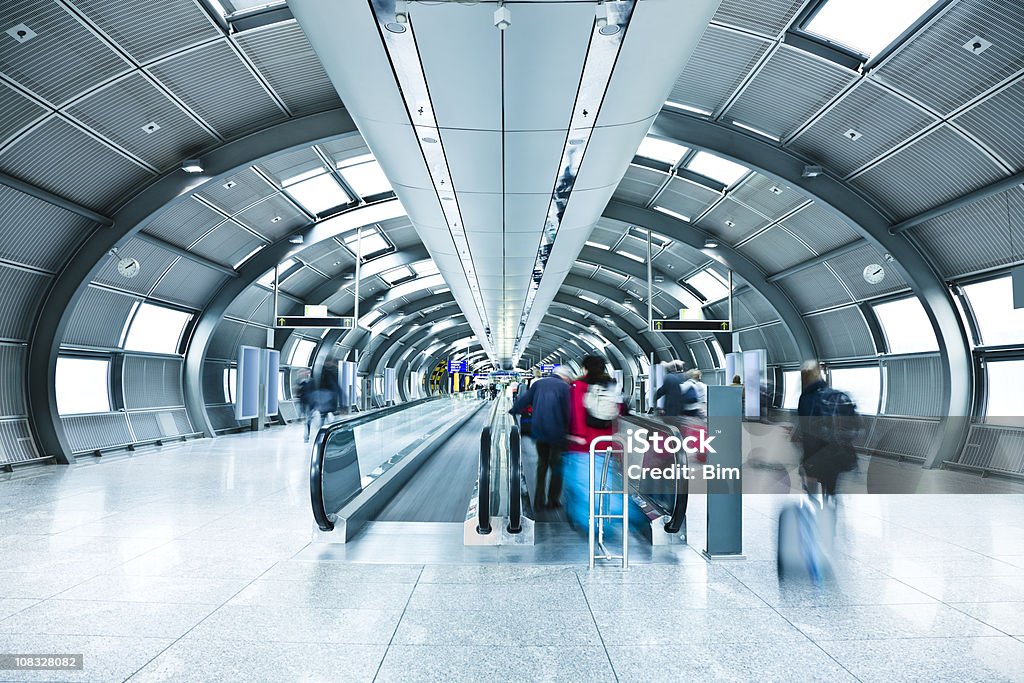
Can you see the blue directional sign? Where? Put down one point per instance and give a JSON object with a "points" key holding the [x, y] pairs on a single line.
{"points": [[549, 368], [457, 366]]}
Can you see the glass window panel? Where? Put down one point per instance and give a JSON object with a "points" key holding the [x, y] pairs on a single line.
{"points": [[366, 179], [82, 385], [319, 194], [992, 301], [230, 375], [792, 387], [709, 285], [1005, 398], [716, 168], [597, 245], [863, 385], [719, 355], [302, 351], [661, 150], [397, 275], [674, 214], [156, 329], [906, 326], [373, 242], [867, 26], [280, 386], [424, 268]]}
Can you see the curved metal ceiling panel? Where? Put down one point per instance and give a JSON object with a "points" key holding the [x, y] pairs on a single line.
{"points": [[996, 122], [147, 32], [841, 333], [768, 17], [16, 112], [722, 61], [36, 233]]}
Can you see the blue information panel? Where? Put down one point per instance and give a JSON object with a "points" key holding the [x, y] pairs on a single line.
{"points": [[457, 366], [549, 368]]}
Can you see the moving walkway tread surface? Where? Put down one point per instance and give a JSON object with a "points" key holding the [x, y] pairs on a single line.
{"points": [[440, 490]]}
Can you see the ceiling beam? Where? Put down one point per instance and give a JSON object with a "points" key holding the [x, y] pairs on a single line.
{"points": [[55, 200], [958, 203]]}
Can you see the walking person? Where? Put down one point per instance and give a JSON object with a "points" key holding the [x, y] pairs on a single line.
{"points": [[305, 394], [695, 395], [671, 389], [549, 399]]}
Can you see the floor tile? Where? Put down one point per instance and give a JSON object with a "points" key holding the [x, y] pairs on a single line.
{"points": [[882, 622], [527, 597], [796, 593], [9, 606], [429, 664], [105, 658], [156, 589], [936, 659], [489, 627], [1008, 617], [38, 584], [332, 594], [341, 572], [94, 618], [660, 626], [299, 625], [716, 594], [971, 589]]}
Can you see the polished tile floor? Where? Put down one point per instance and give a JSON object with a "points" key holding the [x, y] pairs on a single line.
{"points": [[195, 564]]}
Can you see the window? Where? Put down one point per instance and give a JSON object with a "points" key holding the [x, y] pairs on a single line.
{"points": [[597, 245], [318, 194], [230, 377], [864, 386], [865, 26], [999, 322], [661, 150], [710, 285], [302, 352], [366, 178], [688, 108], [716, 168], [792, 387], [674, 214], [396, 275], [268, 277], [756, 131], [155, 329], [82, 385], [371, 318], [632, 257], [281, 377], [373, 242], [719, 355], [229, 8], [1005, 399], [906, 326], [425, 268]]}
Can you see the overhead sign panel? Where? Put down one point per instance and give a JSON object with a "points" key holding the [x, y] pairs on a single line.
{"points": [[670, 325], [333, 321], [457, 366]]}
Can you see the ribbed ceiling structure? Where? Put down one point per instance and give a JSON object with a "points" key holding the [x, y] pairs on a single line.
{"points": [[100, 107]]}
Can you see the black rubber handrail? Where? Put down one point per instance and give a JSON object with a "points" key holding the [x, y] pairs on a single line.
{"points": [[677, 515], [483, 512], [319, 453], [515, 478]]}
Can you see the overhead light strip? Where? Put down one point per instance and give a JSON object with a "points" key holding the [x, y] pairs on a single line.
{"points": [[400, 44], [605, 43]]}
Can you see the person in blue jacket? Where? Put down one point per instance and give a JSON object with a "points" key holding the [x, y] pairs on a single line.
{"points": [[549, 398]]}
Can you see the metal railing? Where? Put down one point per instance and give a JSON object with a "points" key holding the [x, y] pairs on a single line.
{"points": [[515, 479], [676, 510], [334, 467]]}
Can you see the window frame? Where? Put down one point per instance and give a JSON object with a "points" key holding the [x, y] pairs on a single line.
{"points": [[189, 321], [109, 384]]}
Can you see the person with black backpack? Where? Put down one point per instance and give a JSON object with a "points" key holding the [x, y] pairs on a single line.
{"points": [[827, 428]]}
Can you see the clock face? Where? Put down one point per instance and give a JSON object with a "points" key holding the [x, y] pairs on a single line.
{"points": [[874, 274], [128, 267]]}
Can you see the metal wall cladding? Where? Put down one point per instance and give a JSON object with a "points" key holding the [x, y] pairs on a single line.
{"points": [[87, 433], [841, 333], [151, 382], [273, 218], [687, 198], [770, 197], [63, 60], [284, 57], [906, 438], [718, 66], [281, 167], [850, 268], [702, 354], [16, 444], [672, 259], [934, 69], [978, 236], [883, 118], [914, 386], [815, 288], [745, 222], [791, 88], [994, 448], [920, 176], [345, 147], [53, 156], [224, 343], [119, 111], [246, 302], [153, 263], [288, 411], [157, 425], [222, 418], [820, 229], [233, 194], [252, 335], [23, 292], [757, 307], [779, 344], [147, 32], [228, 244], [996, 122], [12, 389], [16, 112], [99, 318], [775, 250], [769, 18], [189, 283], [183, 222], [213, 382], [232, 103], [639, 185], [36, 233]]}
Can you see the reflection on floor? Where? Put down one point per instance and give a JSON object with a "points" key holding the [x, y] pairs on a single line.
{"points": [[193, 564]]}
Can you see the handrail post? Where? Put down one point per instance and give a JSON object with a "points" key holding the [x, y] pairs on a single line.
{"points": [[483, 525], [515, 498]]}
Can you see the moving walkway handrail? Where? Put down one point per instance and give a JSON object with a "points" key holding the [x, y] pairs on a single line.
{"points": [[515, 478], [484, 490], [677, 515], [319, 454]]}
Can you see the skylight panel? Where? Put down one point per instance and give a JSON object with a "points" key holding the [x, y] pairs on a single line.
{"points": [[268, 277], [661, 150], [367, 179], [674, 214], [632, 257], [371, 318], [373, 242], [318, 194], [597, 245], [425, 268], [589, 298], [716, 168], [866, 26], [397, 275], [688, 108], [709, 285]]}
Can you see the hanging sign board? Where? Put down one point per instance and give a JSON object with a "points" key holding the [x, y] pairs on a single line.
{"points": [[332, 321], [669, 325]]}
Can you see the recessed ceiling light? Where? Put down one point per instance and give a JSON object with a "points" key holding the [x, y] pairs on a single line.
{"points": [[710, 243], [429, 140], [977, 45], [609, 30], [191, 166], [395, 27], [812, 171], [275, 219], [150, 127], [775, 189], [852, 135], [730, 224], [229, 184], [577, 141], [21, 33]]}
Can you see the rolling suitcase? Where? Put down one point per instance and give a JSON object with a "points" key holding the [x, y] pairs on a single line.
{"points": [[805, 542]]}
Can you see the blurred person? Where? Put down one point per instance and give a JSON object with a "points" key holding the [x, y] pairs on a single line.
{"points": [[672, 389], [695, 395], [330, 389], [305, 394], [827, 427], [548, 398]]}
